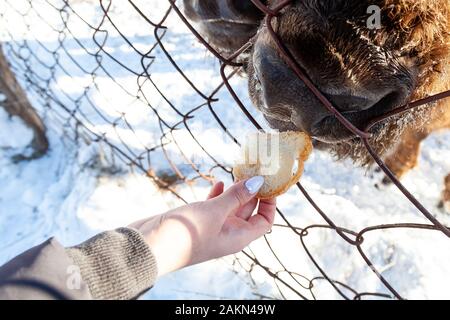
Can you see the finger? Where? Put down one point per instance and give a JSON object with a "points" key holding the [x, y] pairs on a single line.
{"points": [[263, 221], [267, 208], [247, 210], [240, 194], [216, 190]]}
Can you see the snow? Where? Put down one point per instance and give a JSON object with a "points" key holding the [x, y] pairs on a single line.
{"points": [[80, 188], [20, 136]]}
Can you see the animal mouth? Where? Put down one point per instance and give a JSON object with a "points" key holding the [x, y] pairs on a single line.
{"points": [[219, 29], [238, 27], [330, 130], [230, 22]]}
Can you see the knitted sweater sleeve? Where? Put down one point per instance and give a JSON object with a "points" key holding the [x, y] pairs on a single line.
{"points": [[115, 264]]}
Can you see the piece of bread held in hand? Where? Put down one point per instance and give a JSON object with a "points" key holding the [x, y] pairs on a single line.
{"points": [[278, 157]]}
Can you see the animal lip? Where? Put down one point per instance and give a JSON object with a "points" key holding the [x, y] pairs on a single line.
{"points": [[230, 22], [330, 130], [219, 29]]}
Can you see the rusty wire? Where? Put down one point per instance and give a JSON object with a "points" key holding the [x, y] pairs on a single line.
{"points": [[67, 110]]}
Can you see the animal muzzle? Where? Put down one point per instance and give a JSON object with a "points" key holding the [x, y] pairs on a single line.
{"points": [[288, 104]]}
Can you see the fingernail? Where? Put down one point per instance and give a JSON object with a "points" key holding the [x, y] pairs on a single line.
{"points": [[254, 184]]}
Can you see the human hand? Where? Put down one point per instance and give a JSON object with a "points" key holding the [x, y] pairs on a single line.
{"points": [[222, 225]]}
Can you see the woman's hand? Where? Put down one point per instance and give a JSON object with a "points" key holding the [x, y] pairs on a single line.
{"points": [[222, 225]]}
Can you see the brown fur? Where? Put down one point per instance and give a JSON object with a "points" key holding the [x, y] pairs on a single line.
{"points": [[446, 195], [423, 26], [427, 25], [415, 39]]}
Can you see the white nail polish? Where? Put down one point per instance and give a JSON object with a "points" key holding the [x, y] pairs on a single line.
{"points": [[254, 184]]}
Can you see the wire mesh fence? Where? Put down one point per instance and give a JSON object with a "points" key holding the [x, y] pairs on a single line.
{"points": [[68, 55]]}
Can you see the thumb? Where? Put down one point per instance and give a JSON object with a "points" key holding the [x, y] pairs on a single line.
{"points": [[240, 193]]}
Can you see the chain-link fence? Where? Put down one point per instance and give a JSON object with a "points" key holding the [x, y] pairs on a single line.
{"points": [[63, 53]]}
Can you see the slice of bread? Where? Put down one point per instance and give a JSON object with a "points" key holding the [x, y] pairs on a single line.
{"points": [[274, 156]]}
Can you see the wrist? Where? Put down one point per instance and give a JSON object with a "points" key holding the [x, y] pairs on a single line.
{"points": [[169, 239]]}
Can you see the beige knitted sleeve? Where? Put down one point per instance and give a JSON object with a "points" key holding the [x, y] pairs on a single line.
{"points": [[116, 264]]}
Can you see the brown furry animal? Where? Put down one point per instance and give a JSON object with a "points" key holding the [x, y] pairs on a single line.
{"points": [[17, 104], [365, 72], [446, 195]]}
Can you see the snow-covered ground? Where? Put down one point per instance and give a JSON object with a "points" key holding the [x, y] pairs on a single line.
{"points": [[80, 188]]}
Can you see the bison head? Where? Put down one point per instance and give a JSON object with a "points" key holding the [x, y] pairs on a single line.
{"points": [[364, 71]]}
